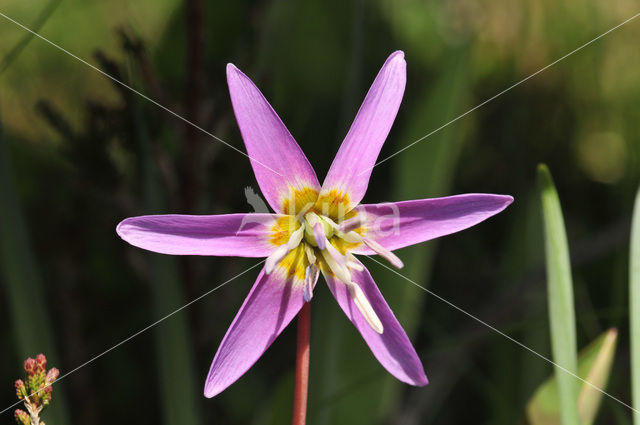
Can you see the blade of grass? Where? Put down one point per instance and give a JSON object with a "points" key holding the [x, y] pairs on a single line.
{"points": [[634, 306], [560, 298], [28, 36], [594, 365], [23, 286]]}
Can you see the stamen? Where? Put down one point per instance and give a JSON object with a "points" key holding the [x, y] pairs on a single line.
{"points": [[361, 301], [295, 238], [340, 270], [351, 224], [384, 253], [275, 257], [351, 237], [310, 255], [310, 278], [318, 234]]}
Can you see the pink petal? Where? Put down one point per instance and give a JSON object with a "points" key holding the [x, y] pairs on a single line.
{"points": [[392, 348], [278, 162], [267, 310], [351, 168], [240, 235], [398, 224]]}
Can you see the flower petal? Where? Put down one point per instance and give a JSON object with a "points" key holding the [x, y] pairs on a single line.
{"points": [[272, 303], [240, 235], [392, 347], [398, 224], [350, 171], [278, 162]]}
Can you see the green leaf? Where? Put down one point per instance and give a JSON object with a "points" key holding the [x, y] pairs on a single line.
{"points": [[23, 285], [560, 299], [634, 306], [594, 366]]}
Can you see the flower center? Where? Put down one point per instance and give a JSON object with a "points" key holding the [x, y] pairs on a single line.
{"points": [[317, 243], [309, 240]]}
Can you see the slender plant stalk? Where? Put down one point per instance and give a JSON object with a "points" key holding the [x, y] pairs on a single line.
{"points": [[560, 299], [302, 367], [634, 308]]}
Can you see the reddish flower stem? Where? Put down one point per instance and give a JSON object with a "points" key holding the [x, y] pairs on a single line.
{"points": [[302, 366]]}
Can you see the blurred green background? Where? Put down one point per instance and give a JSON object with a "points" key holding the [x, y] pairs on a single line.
{"points": [[78, 153]]}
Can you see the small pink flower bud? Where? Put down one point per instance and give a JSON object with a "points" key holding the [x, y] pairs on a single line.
{"points": [[22, 417], [30, 366], [21, 390], [41, 363], [52, 375]]}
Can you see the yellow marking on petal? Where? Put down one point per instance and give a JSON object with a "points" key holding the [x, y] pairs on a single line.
{"points": [[302, 198], [295, 263], [282, 230], [334, 204], [343, 246]]}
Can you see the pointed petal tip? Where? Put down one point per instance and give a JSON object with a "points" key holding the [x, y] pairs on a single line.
{"points": [[424, 381], [122, 227], [233, 72], [211, 390], [231, 67], [506, 200], [397, 54], [417, 379]]}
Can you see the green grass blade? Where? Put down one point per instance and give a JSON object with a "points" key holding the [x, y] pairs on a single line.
{"points": [[23, 286], [560, 299], [634, 307], [594, 365], [14, 53]]}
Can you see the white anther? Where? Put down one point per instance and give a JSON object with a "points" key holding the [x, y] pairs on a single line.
{"points": [[310, 278], [384, 253], [275, 257], [337, 266], [310, 255], [296, 238], [351, 224], [361, 301]]}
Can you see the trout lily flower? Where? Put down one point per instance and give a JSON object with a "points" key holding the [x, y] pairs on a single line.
{"points": [[316, 229]]}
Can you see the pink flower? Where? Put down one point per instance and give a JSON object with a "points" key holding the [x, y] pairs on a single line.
{"points": [[315, 229]]}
